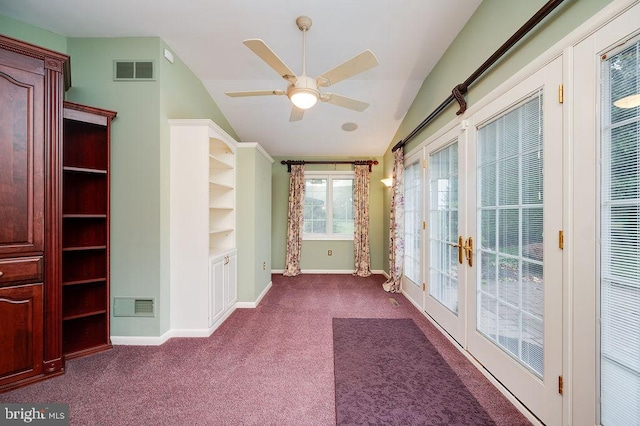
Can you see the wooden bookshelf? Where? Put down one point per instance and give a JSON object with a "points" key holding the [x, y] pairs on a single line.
{"points": [[85, 230]]}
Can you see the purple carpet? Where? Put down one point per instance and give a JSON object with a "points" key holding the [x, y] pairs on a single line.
{"points": [[272, 365], [387, 372]]}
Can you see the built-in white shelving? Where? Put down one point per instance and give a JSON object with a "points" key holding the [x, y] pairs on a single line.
{"points": [[203, 226]]}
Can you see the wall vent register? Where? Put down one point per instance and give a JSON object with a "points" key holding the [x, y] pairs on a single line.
{"points": [[133, 70]]}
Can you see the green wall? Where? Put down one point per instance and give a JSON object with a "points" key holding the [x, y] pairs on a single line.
{"points": [[34, 35], [490, 26], [253, 201], [314, 253], [139, 162], [135, 168]]}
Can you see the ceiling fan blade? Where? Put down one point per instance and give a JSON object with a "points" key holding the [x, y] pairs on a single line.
{"points": [[344, 102], [255, 93], [356, 65], [261, 49], [296, 114]]}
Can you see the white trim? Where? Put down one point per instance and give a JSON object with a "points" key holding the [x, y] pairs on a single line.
{"points": [[142, 340], [244, 305], [214, 130], [159, 340], [332, 271], [258, 147], [513, 400]]}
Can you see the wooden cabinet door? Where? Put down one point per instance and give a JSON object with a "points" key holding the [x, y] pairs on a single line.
{"points": [[21, 155], [21, 332]]}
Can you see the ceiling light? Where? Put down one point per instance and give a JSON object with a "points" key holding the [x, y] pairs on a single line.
{"points": [[303, 98], [628, 101]]}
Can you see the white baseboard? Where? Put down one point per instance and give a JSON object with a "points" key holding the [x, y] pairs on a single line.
{"points": [[533, 419], [243, 305], [330, 271], [142, 340], [174, 332]]}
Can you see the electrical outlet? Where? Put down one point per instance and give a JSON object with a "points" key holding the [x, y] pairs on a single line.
{"points": [[264, 266], [330, 253]]}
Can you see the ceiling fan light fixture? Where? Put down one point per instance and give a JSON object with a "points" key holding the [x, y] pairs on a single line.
{"points": [[628, 101], [303, 98]]}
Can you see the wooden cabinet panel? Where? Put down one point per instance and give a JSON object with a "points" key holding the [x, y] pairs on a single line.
{"points": [[21, 319], [32, 82], [21, 160], [21, 270]]}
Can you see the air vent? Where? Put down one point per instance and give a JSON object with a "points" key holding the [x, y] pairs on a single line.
{"points": [[130, 307], [133, 70]]}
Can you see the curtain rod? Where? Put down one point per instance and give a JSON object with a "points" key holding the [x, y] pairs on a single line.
{"points": [[458, 92], [289, 163]]}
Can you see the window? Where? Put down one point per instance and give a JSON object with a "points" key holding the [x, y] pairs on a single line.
{"points": [[328, 206], [413, 221]]}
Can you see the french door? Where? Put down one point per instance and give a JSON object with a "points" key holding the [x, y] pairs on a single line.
{"points": [[445, 297], [413, 225], [515, 299], [493, 261]]}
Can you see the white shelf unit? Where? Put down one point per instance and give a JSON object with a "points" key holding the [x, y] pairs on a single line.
{"points": [[202, 237]]}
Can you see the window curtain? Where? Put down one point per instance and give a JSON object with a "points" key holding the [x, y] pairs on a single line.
{"points": [[361, 221], [396, 226], [295, 221]]}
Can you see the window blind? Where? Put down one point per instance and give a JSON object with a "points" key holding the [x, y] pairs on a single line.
{"points": [[412, 221], [620, 242], [510, 202]]}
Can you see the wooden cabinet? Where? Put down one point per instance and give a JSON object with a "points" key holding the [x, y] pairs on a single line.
{"points": [[202, 222], [32, 81], [85, 230], [21, 332]]}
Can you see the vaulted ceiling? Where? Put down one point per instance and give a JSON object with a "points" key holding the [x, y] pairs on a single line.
{"points": [[408, 37]]}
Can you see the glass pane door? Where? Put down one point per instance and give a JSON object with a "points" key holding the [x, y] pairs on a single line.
{"points": [[620, 247], [515, 299], [443, 223], [447, 273]]}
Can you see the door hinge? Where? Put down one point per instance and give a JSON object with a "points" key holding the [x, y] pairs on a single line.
{"points": [[424, 224], [560, 385], [424, 164], [561, 94], [424, 287], [561, 239]]}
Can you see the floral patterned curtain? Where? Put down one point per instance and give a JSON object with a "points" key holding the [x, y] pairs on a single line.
{"points": [[396, 228], [361, 221], [295, 221]]}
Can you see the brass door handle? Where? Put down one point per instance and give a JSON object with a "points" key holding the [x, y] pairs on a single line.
{"points": [[1, 273], [468, 250], [461, 247]]}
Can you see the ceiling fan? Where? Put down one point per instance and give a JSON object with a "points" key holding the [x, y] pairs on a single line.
{"points": [[303, 91]]}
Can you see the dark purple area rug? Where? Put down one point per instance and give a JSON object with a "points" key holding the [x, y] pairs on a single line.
{"points": [[388, 373]]}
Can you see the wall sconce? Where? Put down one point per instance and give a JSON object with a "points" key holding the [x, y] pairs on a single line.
{"points": [[387, 182]]}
